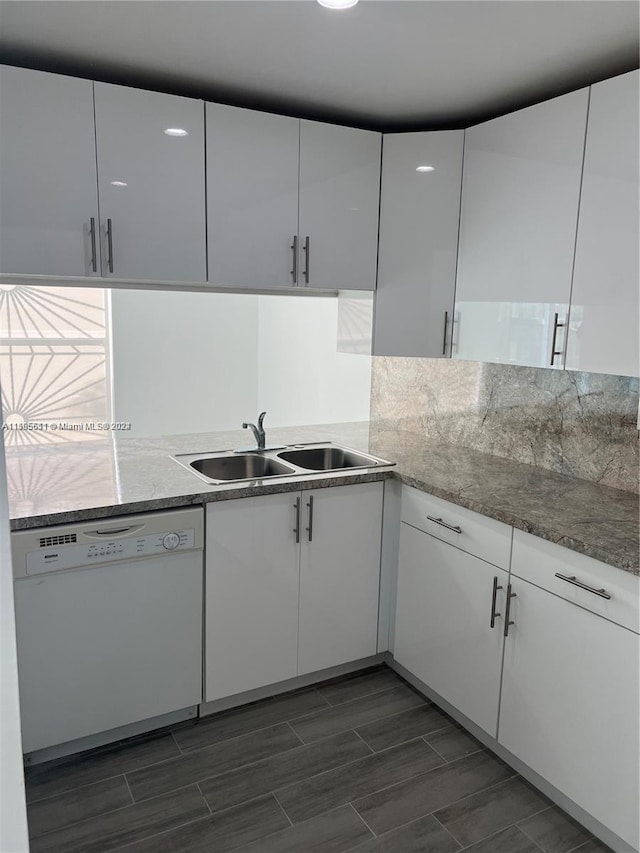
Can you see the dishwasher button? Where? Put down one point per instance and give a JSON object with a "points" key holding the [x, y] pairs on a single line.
{"points": [[171, 541]]}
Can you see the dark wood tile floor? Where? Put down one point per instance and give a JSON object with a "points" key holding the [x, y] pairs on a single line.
{"points": [[361, 763]]}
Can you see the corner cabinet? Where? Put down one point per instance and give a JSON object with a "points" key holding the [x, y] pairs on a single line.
{"points": [[520, 195], [291, 585], [48, 183], [419, 214], [603, 324], [570, 693], [451, 604], [290, 203]]}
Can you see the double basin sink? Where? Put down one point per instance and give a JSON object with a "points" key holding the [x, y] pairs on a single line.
{"points": [[231, 466]]}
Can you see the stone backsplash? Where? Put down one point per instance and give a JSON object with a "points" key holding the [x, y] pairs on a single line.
{"points": [[581, 424]]}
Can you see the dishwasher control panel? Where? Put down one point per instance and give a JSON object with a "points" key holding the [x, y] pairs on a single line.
{"points": [[74, 556], [93, 544]]}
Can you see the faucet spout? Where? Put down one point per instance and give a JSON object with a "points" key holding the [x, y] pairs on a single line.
{"points": [[258, 431]]}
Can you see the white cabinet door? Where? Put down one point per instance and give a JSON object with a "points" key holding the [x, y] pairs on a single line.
{"points": [[570, 704], [48, 189], [152, 185], [443, 624], [251, 594], [419, 213], [519, 213], [339, 575], [603, 326], [252, 197], [338, 213]]}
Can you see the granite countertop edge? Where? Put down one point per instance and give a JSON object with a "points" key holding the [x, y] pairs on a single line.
{"points": [[597, 521]]}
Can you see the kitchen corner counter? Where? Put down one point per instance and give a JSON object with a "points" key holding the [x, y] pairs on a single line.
{"points": [[73, 481], [595, 520]]}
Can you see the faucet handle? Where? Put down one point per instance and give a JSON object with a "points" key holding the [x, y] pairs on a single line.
{"points": [[261, 417]]}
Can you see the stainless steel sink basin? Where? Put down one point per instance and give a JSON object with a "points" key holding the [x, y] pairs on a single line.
{"points": [[240, 466], [327, 458], [298, 460]]}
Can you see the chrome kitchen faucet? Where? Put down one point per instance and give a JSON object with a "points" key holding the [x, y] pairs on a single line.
{"points": [[258, 431]]}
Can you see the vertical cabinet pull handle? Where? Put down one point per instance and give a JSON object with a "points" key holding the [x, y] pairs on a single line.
{"points": [[294, 252], [92, 235], [508, 622], [444, 337], [109, 246], [496, 587], [296, 529], [306, 259], [556, 326], [309, 529]]}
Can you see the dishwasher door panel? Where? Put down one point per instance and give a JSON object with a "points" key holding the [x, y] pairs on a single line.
{"points": [[104, 647]]}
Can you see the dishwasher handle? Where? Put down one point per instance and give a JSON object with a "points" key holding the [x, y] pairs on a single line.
{"points": [[113, 532]]}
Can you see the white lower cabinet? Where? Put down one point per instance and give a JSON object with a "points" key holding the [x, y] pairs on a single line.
{"points": [[291, 585], [569, 706], [444, 630]]}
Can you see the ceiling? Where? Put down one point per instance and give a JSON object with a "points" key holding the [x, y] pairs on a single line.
{"points": [[384, 64]]}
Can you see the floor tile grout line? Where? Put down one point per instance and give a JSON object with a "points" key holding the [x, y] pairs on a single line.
{"points": [[364, 695], [282, 808], [444, 806], [113, 811], [327, 703], [423, 738], [362, 819], [493, 835], [101, 779], [450, 834], [282, 722], [350, 702], [206, 802], [369, 747], [302, 743], [526, 834], [126, 782], [130, 844], [180, 750]]}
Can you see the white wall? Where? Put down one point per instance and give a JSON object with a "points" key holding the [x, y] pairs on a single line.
{"points": [[13, 816], [303, 379], [200, 362], [184, 362]]}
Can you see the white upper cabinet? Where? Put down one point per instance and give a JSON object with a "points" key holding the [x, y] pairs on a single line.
{"points": [[151, 184], [603, 325], [520, 196], [419, 214], [48, 190], [252, 197], [338, 212]]}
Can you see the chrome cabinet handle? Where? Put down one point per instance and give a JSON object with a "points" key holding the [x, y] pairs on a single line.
{"points": [[556, 326], [306, 259], [444, 337], [296, 529], [496, 587], [439, 521], [109, 246], [573, 580], [507, 621], [92, 234], [294, 252], [309, 529]]}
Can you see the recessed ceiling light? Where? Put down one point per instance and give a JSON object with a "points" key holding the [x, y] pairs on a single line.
{"points": [[338, 4], [119, 183], [176, 131], [425, 168]]}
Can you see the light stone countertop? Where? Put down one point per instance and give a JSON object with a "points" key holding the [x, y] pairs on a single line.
{"points": [[73, 481]]}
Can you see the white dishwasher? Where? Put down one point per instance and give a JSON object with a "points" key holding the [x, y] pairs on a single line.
{"points": [[108, 623]]}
